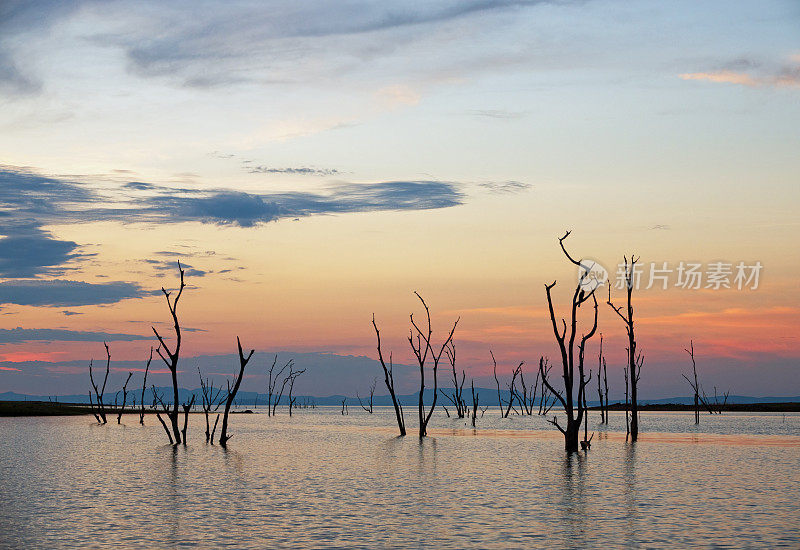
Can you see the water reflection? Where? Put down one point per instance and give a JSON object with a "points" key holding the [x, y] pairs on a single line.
{"points": [[323, 480]]}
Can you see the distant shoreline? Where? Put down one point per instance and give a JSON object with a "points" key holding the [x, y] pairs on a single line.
{"points": [[51, 408]]}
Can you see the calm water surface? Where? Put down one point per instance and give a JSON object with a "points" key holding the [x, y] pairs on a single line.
{"points": [[320, 479]]}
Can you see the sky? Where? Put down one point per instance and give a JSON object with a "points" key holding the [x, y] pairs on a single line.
{"points": [[310, 164]]}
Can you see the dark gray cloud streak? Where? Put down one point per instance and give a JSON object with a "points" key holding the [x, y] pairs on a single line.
{"points": [[20, 335], [64, 293], [29, 202]]}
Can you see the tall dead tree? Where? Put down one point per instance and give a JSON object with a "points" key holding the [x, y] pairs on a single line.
{"points": [[571, 357], [371, 396], [124, 398], [144, 385], [421, 346], [388, 378], [99, 410], [695, 386], [172, 356], [211, 402], [232, 389], [635, 359]]}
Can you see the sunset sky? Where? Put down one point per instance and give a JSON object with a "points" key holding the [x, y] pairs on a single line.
{"points": [[311, 163]]}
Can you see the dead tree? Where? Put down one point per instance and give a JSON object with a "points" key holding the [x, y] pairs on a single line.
{"points": [[422, 347], [272, 382], [158, 400], [565, 337], [344, 407], [497, 382], [388, 378], [605, 390], [124, 398], [601, 364], [289, 378], [371, 396], [223, 434], [587, 441], [695, 386], [635, 359], [211, 403], [457, 399], [100, 408], [171, 357], [144, 385], [292, 377], [627, 406], [474, 402], [527, 399], [186, 408], [512, 393]]}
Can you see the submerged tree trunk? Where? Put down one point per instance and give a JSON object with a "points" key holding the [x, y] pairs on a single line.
{"points": [[223, 434], [388, 377], [144, 385]]}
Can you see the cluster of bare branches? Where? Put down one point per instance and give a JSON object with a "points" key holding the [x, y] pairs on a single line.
{"points": [[274, 392], [457, 397], [713, 407], [425, 353], [212, 400]]}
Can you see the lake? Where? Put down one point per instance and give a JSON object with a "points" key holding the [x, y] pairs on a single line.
{"points": [[320, 479]]}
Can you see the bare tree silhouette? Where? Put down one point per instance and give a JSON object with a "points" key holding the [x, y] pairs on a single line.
{"points": [[371, 396], [144, 385], [497, 382], [565, 337], [171, 358], [635, 359], [272, 383], [474, 402], [457, 399], [695, 386], [423, 349], [124, 398], [99, 411], [211, 403], [158, 400], [223, 434], [292, 378], [388, 377], [601, 367]]}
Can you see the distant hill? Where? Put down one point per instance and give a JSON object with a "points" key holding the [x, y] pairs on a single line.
{"points": [[487, 396]]}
